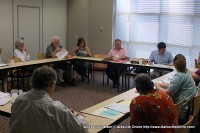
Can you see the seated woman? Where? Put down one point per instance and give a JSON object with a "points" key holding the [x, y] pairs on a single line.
{"points": [[81, 67], [151, 108], [182, 85], [21, 51], [4, 78]]}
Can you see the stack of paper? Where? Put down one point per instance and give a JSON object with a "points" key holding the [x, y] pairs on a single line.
{"points": [[121, 106], [2, 64], [4, 98], [107, 113], [114, 110], [3, 95], [62, 53]]}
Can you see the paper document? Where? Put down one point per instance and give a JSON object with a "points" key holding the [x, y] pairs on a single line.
{"points": [[2, 64], [3, 95], [62, 53], [119, 61], [3, 101], [108, 113], [168, 78], [125, 102], [123, 108]]}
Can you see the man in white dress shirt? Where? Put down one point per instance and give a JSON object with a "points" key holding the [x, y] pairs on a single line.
{"points": [[36, 112]]}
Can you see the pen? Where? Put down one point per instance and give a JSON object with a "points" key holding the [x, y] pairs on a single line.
{"points": [[120, 101]]}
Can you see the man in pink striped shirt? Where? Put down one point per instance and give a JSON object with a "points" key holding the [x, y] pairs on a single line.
{"points": [[118, 53]]}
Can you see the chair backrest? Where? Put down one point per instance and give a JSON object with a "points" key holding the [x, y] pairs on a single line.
{"points": [[41, 55], [185, 130], [14, 58], [195, 106], [100, 56], [100, 65], [179, 106]]}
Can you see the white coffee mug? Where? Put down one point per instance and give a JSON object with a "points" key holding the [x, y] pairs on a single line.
{"points": [[27, 58], [140, 62]]}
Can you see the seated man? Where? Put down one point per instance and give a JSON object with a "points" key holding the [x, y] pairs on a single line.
{"points": [[151, 108], [118, 53], [160, 56], [51, 51], [36, 112]]}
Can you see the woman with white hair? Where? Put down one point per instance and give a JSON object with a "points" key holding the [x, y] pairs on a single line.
{"points": [[21, 51]]}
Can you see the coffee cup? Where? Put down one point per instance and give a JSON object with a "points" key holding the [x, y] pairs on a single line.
{"points": [[27, 58], [140, 62], [145, 62], [12, 62]]}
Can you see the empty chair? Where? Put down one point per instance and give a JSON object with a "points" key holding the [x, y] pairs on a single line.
{"points": [[41, 55], [179, 106], [100, 67], [194, 107], [18, 73], [185, 130]]}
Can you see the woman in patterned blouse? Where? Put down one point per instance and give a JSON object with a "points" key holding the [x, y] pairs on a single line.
{"points": [[81, 67], [153, 108]]}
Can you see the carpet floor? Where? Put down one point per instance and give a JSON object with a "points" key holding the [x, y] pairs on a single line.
{"points": [[80, 97]]}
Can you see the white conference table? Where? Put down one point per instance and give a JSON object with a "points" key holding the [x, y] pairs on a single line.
{"points": [[22, 65], [93, 120], [102, 124], [101, 121], [31, 63], [92, 59]]}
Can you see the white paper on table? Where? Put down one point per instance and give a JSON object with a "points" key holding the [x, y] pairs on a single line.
{"points": [[168, 78], [119, 107], [5, 100], [62, 53], [108, 113], [3, 95], [3, 64], [165, 81]]}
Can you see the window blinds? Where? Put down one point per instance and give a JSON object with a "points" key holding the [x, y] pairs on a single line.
{"points": [[142, 24]]}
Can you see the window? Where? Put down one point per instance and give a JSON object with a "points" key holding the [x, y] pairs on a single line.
{"points": [[142, 24]]}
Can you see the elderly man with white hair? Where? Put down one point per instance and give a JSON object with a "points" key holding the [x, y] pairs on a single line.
{"points": [[51, 51]]}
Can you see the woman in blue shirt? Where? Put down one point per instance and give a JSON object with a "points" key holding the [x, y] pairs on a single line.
{"points": [[182, 85]]}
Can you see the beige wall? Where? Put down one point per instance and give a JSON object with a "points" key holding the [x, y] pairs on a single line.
{"points": [[54, 21], [101, 16], [6, 38], [68, 19], [77, 22], [54, 13], [85, 18]]}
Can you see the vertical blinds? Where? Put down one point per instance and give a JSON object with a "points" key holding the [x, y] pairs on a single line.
{"points": [[141, 24]]}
